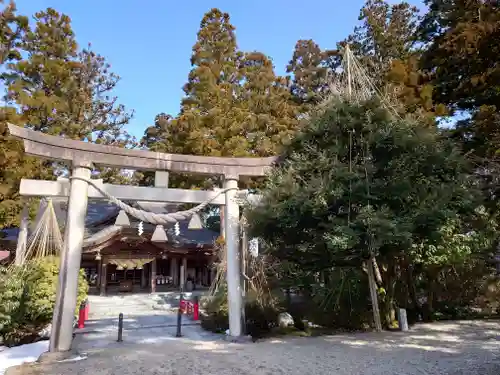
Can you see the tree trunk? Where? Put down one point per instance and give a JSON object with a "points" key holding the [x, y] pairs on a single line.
{"points": [[431, 287], [412, 290], [388, 305], [374, 296]]}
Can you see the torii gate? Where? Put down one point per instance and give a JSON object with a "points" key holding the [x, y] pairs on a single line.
{"points": [[82, 156]]}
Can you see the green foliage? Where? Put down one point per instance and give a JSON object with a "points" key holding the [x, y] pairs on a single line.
{"points": [[27, 305], [234, 104], [462, 51], [355, 181], [54, 87], [462, 48], [386, 45], [62, 90], [471, 284], [309, 66], [386, 34], [338, 299], [12, 299], [216, 311], [14, 165], [260, 320], [12, 28], [41, 281]]}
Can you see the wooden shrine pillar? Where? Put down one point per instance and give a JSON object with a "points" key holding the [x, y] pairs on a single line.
{"points": [[184, 276], [152, 275], [174, 270], [99, 271], [144, 282], [103, 275]]}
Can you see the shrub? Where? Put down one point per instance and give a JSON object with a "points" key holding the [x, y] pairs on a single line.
{"points": [[28, 297], [12, 300], [260, 320], [216, 316], [41, 284]]}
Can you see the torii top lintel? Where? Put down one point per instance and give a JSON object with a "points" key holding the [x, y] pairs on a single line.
{"points": [[78, 152]]}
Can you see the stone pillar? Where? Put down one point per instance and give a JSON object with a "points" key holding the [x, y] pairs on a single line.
{"points": [[232, 232], [174, 269], [161, 179], [222, 209], [22, 237], [184, 276], [71, 256], [104, 278], [152, 275]]}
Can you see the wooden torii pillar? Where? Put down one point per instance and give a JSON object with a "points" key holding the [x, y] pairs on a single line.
{"points": [[82, 157]]}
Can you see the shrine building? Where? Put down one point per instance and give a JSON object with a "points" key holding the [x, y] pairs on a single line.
{"points": [[123, 258]]}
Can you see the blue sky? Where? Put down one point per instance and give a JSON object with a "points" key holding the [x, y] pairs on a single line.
{"points": [[148, 43]]}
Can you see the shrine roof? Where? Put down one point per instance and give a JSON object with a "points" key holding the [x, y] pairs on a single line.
{"points": [[100, 219]]}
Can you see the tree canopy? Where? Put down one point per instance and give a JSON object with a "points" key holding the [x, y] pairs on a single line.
{"points": [[355, 181], [55, 87]]}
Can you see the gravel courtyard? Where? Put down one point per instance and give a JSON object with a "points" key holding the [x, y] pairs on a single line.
{"points": [[453, 348]]}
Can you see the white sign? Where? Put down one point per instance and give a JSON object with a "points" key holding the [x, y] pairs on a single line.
{"points": [[253, 247]]}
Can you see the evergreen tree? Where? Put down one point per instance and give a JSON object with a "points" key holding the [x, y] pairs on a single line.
{"points": [[355, 182], [12, 28], [271, 118], [387, 33], [462, 40], [63, 91], [234, 104], [208, 116], [13, 163], [385, 44], [309, 66], [59, 90], [462, 50]]}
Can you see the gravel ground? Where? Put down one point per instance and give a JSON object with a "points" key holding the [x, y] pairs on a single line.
{"points": [[455, 348]]}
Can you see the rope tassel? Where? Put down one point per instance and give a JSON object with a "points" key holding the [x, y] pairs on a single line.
{"points": [[122, 219], [195, 222], [159, 235]]}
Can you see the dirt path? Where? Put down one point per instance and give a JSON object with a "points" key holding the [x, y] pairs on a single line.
{"points": [[468, 348]]}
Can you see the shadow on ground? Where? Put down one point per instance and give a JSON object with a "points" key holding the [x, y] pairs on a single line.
{"points": [[457, 348]]}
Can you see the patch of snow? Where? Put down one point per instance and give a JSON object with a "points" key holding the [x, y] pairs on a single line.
{"points": [[75, 359], [21, 354], [155, 340]]}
